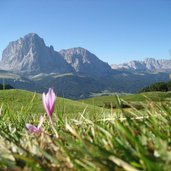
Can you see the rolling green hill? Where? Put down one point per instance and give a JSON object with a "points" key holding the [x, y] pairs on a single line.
{"points": [[25, 101], [133, 99]]}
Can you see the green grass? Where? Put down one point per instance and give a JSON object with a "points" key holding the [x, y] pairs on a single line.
{"points": [[133, 99], [21, 100], [109, 140]]}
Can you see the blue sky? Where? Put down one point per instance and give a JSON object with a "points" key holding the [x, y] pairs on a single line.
{"points": [[115, 30]]}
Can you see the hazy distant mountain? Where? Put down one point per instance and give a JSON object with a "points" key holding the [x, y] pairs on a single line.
{"points": [[149, 64], [30, 55], [85, 62]]}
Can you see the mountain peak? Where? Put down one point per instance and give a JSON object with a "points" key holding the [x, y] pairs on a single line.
{"points": [[30, 55], [149, 59], [75, 50], [33, 38], [84, 61], [32, 35]]}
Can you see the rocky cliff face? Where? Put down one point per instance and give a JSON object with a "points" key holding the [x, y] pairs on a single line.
{"points": [[149, 64], [30, 55], [85, 62]]}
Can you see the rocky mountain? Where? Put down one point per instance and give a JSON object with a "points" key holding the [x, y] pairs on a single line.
{"points": [[30, 55], [149, 64], [85, 62]]}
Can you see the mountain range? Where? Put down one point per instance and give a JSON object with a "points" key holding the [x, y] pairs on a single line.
{"points": [[30, 56], [28, 63], [149, 64]]}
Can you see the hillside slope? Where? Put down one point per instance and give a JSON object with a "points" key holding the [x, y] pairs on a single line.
{"points": [[132, 99], [25, 101]]}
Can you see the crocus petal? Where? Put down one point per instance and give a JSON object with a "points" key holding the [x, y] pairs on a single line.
{"points": [[52, 97], [45, 103], [32, 128], [41, 122], [49, 102]]}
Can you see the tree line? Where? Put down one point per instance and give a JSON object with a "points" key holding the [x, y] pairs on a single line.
{"points": [[159, 86]]}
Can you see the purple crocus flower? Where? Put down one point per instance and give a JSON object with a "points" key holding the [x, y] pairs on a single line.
{"points": [[34, 129], [49, 103]]}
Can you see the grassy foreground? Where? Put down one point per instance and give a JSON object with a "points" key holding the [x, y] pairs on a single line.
{"points": [[111, 140]]}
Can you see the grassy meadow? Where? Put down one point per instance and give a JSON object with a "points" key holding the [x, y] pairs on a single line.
{"points": [[138, 101], [28, 102], [90, 137]]}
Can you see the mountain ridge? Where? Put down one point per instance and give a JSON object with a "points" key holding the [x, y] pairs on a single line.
{"points": [[148, 64], [30, 55], [84, 61]]}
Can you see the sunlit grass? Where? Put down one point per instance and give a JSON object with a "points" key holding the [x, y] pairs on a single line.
{"points": [[111, 140]]}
